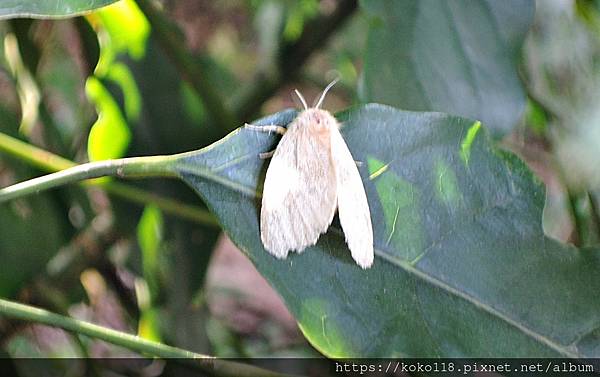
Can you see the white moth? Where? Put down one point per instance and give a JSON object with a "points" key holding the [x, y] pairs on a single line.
{"points": [[311, 174]]}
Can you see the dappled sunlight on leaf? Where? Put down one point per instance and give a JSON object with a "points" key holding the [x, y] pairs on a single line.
{"points": [[400, 202]]}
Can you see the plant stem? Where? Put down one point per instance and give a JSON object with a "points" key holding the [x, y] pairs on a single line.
{"points": [[151, 166], [132, 342], [171, 206], [192, 72], [50, 162], [33, 155]]}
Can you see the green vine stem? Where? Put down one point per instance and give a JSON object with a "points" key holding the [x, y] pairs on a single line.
{"points": [[146, 347], [51, 162], [152, 166]]}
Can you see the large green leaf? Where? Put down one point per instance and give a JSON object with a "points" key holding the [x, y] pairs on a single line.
{"points": [[455, 56], [47, 8], [462, 268]]}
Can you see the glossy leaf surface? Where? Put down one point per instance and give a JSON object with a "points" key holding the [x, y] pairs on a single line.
{"points": [[462, 266]]}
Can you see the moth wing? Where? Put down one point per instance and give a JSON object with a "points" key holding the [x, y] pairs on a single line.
{"points": [[353, 207], [299, 195]]}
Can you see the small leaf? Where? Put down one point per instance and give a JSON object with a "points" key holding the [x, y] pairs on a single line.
{"points": [[462, 265], [110, 135], [123, 28], [150, 236], [149, 325]]}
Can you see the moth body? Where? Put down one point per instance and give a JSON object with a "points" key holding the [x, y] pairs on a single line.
{"points": [[311, 174]]}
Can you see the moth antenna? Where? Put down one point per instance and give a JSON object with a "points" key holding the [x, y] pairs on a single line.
{"points": [[325, 92], [301, 99]]}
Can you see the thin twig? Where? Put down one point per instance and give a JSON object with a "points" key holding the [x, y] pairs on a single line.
{"points": [[132, 342], [151, 166]]}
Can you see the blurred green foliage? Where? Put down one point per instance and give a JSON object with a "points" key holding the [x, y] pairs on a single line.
{"points": [[111, 83], [101, 86]]}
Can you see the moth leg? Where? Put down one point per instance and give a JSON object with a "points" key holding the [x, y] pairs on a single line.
{"points": [[269, 128], [266, 155]]}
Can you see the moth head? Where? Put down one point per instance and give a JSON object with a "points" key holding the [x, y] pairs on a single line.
{"points": [[318, 121]]}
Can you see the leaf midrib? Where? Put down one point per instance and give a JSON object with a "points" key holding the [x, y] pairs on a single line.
{"points": [[479, 304]]}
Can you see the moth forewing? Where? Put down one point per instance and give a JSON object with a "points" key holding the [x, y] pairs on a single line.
{"points": [[299, 195], [353, 207]]}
